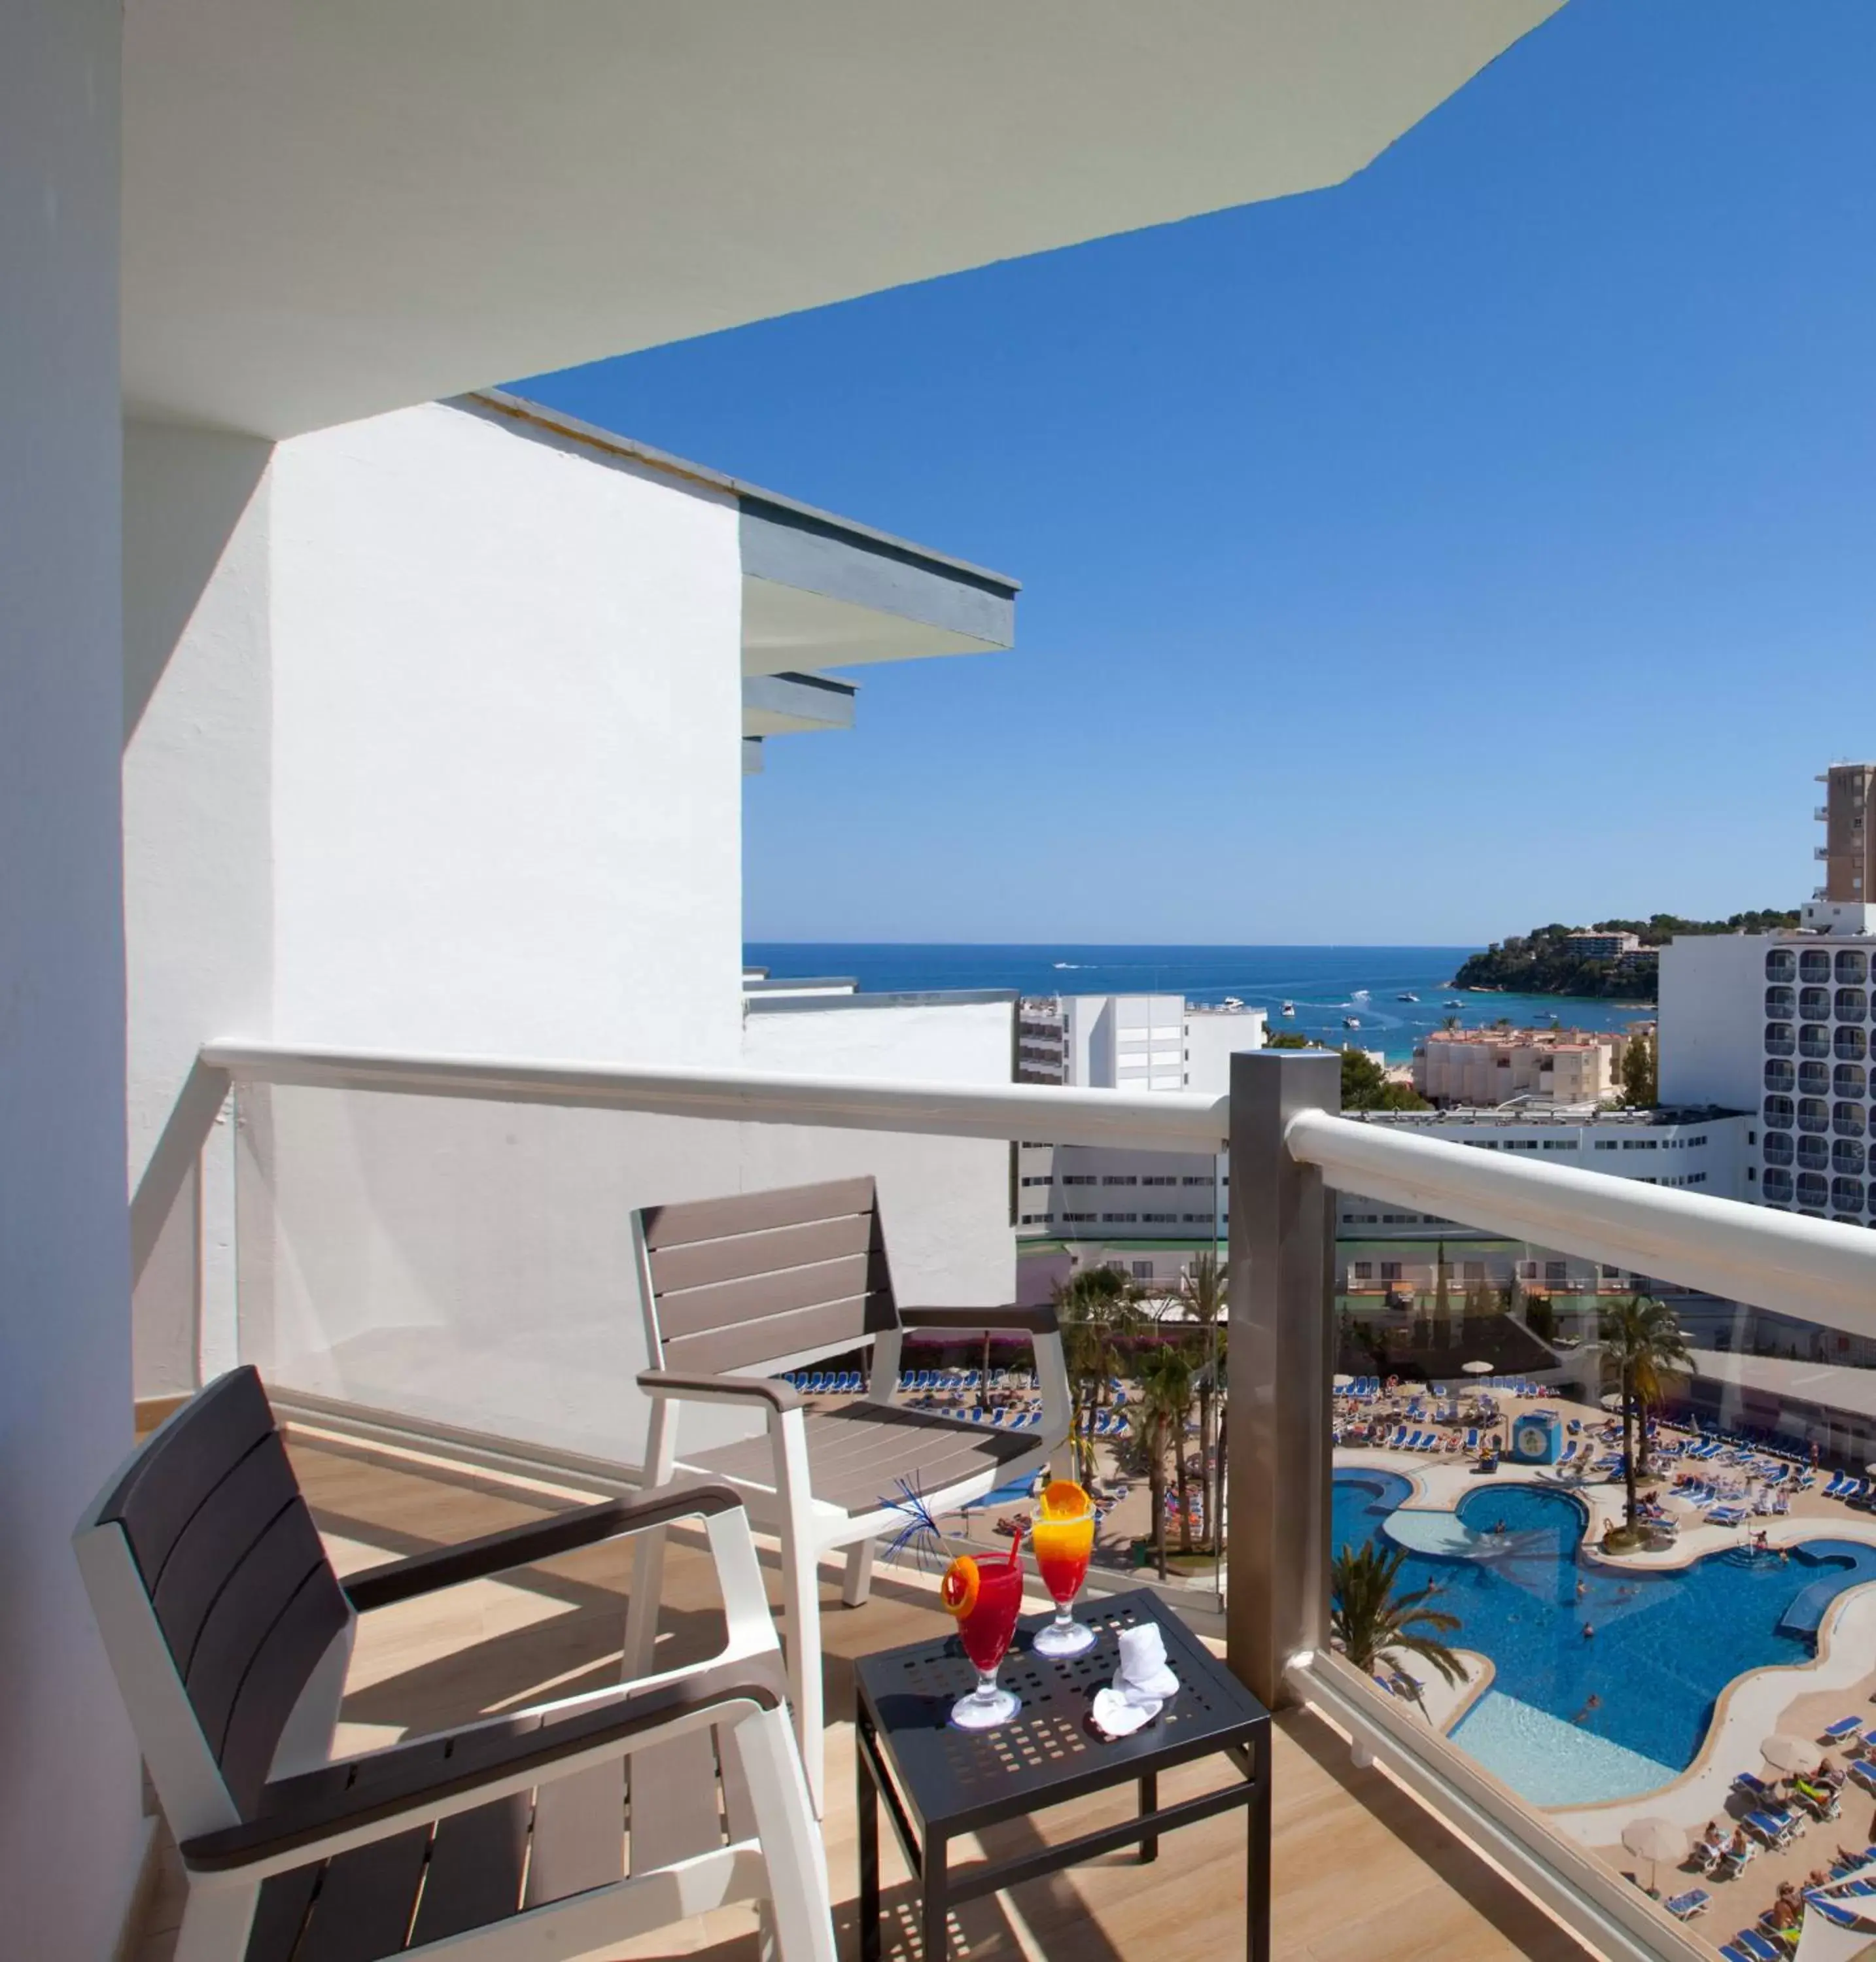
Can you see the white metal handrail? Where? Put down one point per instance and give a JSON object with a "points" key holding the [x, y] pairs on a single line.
{"points": [[1157, 1120], [1816, 1268]]}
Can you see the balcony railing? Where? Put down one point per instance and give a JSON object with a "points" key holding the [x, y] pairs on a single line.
{"points": [[1289, 1149]]}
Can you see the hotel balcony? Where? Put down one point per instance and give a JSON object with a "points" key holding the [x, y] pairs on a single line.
{"points": [[415, 1270]]}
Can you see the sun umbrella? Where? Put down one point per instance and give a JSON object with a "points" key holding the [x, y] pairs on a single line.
{"points": [[1655, 1840], [1341, 1381], [1785, 1753], [1477, 1368], [1613, 1400]]}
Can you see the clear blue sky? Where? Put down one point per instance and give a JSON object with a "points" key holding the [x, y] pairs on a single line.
{"points": [[1486, 541]]}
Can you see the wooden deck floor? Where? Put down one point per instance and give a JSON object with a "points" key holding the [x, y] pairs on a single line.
{"points": [[1361, 1871]]}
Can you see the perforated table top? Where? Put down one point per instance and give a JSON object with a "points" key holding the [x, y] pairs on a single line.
{"points": [[956, 1780]]}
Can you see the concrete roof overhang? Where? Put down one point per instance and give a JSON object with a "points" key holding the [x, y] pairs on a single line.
{"points": [[333, 210]]}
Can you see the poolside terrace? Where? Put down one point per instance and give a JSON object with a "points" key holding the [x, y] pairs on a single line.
{"points": [[1716, 1497], [1361, 1869]]}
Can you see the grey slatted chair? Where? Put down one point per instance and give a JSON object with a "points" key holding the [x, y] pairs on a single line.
{"points": [[230, 1634], [735, 1290]]}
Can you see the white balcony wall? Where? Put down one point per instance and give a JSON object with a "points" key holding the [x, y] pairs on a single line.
{"points": [[469, 1264], [432, 742], [71, 1835]]}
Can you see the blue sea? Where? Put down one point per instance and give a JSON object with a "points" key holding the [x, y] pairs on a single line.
{"points": [[1326, 983]]}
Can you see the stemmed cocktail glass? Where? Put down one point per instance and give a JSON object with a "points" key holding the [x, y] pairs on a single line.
{"points": [[985, 1598], [1063, 1538]]}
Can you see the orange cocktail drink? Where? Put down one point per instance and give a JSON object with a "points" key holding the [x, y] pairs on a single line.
{"points": [[1063, 1540]]}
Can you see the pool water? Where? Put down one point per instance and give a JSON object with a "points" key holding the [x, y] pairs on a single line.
{"points": [[1663, 1646]]}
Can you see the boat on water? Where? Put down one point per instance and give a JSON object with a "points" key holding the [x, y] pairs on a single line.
{"points": [[1288, 1009], [1351, 1021], [1406, 998], [1455, 1003], [1233, 1001], [1359, 994]]}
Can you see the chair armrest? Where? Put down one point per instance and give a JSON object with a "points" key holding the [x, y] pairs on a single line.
{"points": [[1041, 1320], [700, 1389], [539, 1539], [298, 1814]]}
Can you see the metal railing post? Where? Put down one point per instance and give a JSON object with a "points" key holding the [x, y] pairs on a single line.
{"points": [[1283, 1356]]}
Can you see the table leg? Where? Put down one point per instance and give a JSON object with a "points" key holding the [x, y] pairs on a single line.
{"points": [[1257, 1861], [868, 1813], [934, 1936], [1149, 1803]]}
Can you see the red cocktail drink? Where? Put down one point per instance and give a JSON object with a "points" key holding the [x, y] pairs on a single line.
{"points": [[987, 1598]]}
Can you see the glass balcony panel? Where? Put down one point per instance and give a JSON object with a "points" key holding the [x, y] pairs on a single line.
{"points": [[1813, 1114], [1779, 1040], [1851, 1044], [1813, 1039], [1813, 964], [1848, 1119], [1850, 1079], [1776, 1147], [1852, 1004], [1813, 1077], [1813, 1004], [1777, 1112], [1778, 1182], [1852, 965], [1779, 1075], [1847, 1156], [1813, 1189], [1780, 1001], [1813, 1154], [1846, 1194], [1781, 964]]}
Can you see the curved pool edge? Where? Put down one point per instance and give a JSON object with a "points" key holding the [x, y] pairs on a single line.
{"points": [[1699, 1792]]}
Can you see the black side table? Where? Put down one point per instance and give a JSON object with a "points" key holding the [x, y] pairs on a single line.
{"points": [[937, 1782]]}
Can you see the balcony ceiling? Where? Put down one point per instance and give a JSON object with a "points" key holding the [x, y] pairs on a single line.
{"points": [[335, 209]]}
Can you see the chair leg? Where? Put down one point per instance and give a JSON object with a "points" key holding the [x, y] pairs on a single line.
{"points": [[801, 1602], [858, 1583], [216, 1923], [792, 1851], [641, 1610]]}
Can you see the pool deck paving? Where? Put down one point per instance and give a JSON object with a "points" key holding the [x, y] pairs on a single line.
{"points": [[1800, 1701]]}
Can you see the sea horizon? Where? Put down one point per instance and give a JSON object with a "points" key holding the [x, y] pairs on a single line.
{"points": [[1330, 985]]}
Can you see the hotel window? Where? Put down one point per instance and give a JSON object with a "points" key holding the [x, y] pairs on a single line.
{"points": [[1078, 1218], [1813, 1039], [1142, 1270], [1555, 1270], [1527, 1270], [1848, 1120], [1814, 1005], [1852, 966], [1156, 1178], [1847, 1156], [1813, 1114], [1852, 1045], [1846, 1194], [1778, 1112], [1778, 1039], [1390, 1270], [1848, 1079], [1813, 1077], [1813, 964], [1119, 1178], [1779, 1149], [1120, 1220], [1197, 1178], [1079, 1178], [1852, 1004], [1781, 964], [1472, 1271], [1160, 1219], [1779, 1075], [1779, 1002], [1777, 1184], [1364, 1270]]}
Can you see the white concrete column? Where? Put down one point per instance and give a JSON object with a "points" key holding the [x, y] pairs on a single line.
{"points": [[71, 1830]]}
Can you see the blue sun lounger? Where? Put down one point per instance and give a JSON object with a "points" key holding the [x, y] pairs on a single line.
{"points": [[1472, 1440], [1865, 1774], [1843, 1727], [1774, 1829], [1684, 1907], [1732, 1952], [1757, 1946]]}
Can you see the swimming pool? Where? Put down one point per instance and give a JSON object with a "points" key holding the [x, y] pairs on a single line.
{"points": [[1664, 1645]]}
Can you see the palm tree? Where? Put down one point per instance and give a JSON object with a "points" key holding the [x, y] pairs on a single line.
{"points": [[1374, 1624], [1644, 1342], [1203, 1289], [1165, 1384], [1098, 1309]]}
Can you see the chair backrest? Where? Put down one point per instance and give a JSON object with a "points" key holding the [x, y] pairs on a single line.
{"points": [[733, 1285], [227, 1563]]}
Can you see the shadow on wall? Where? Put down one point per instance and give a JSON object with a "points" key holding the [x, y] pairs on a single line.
{"points": [[184, 492]]}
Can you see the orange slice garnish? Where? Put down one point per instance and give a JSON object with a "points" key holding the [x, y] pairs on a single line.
{"points": [[1062, 1499], [958, 1590]]}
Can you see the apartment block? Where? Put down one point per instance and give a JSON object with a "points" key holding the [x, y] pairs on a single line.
{"points": [[1478, 1069]]}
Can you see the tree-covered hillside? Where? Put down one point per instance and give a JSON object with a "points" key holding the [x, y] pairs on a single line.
{"points": [[1544, 961]]}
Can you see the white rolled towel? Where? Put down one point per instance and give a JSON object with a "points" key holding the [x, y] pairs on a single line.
{"points": [[1141, 1685]]}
